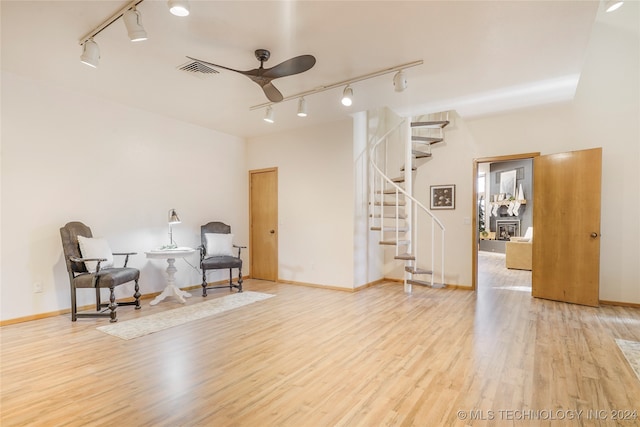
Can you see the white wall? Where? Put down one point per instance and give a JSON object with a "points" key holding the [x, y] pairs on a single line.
{"points": [[315, 201], [69, 157]]}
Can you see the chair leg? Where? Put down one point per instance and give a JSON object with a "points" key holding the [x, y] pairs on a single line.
{"points": [[239, 279], [98, 301], [74, 309], [230, 279], [137, 295], [112, 304], [204, 283]]}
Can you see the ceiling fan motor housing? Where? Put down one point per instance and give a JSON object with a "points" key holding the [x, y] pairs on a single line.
{"points": [[262, 55]]}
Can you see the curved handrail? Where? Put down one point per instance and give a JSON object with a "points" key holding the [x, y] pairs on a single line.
{"points": [[396, 186]]}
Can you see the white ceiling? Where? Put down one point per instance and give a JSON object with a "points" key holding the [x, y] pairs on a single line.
{"points": [[479, 56]]}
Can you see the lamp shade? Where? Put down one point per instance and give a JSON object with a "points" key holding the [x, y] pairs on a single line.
{"points": [[133, 22], [179, 7], [90, 53], [173, 217]]}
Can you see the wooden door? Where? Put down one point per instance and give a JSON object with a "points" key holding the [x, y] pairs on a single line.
{"points": [[263, 207], [566, 226]]}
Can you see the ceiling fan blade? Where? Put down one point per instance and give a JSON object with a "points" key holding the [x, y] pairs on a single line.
{"points": [[291, 66], [272, 93]]}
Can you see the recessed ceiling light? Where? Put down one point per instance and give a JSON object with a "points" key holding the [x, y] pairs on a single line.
{"points": [[179, 7], [611, 5]]}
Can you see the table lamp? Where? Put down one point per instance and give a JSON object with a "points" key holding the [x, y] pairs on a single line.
{"points": [[173, 219]]}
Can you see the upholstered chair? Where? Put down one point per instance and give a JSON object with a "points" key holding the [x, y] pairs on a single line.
{"points": [[90, 266], [519, 251], [217, 252]]}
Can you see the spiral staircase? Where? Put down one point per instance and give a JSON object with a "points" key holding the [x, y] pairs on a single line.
{"points": [[398, 218]]}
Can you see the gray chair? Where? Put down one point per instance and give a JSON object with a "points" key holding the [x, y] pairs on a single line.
{"points": [[80, 277], [219, 262]]}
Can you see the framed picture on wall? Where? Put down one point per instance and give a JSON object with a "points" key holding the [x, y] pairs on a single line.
{"points": [[508, 183], [443, 197]]}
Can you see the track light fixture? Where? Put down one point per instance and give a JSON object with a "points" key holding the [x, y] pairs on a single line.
{"points": [[347, 96], [268, 115], [302, 107], [179, 7], [90, 53], [133, 22], [400, 81], [611, 5]]}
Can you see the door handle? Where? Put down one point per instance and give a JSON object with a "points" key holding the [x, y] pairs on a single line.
{"points": [[272, 231], [594, 235]]}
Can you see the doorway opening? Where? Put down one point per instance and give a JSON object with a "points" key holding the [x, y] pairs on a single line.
{"points": [[502, 214]]}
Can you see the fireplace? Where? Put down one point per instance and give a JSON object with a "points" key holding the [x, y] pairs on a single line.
{"points": [[507, 228]]}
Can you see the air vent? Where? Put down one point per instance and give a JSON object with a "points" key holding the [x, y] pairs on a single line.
{"points": [[197, 69]]}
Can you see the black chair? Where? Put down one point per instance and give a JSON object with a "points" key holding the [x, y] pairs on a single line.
{"points": [[80, 277], [216, 253]]}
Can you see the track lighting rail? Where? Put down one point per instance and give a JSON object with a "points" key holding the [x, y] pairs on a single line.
{"points": [[342, 83], [113, 18]]}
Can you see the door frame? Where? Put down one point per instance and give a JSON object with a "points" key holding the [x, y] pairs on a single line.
{"points": [[251, 257], [474, 206]]}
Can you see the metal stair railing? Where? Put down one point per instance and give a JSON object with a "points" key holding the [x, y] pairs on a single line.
{"points": [[379, 176]]}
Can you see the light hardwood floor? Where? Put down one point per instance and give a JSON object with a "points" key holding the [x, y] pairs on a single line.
{"points": [[315, 357]]}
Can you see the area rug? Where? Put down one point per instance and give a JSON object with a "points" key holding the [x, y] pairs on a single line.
{"points": [[631, 351], [135, 328]]}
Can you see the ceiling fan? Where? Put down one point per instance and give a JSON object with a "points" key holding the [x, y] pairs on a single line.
{"points": [[263, 76]]}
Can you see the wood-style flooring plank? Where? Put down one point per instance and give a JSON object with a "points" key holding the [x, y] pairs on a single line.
{"points": [[316, 357]]}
